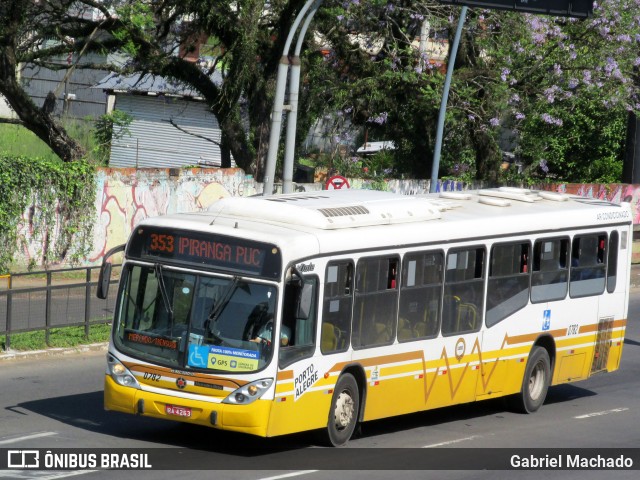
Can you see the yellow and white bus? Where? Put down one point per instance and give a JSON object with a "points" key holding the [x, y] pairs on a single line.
{"points": [[273, 315]]}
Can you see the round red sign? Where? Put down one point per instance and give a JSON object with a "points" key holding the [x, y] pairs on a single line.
{"points": [[337, 182]]}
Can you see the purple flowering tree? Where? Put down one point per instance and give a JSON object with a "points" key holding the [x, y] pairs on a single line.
{"points": [[557, 89], [566, 87], [547, 88]]}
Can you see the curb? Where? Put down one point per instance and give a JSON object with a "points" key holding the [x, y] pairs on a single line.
{"points": [[52, 352]]}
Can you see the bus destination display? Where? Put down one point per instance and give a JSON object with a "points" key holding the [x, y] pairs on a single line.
{"points": [[206, 249]]}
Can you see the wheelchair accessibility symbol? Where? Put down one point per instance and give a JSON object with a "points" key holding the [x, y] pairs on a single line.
{"points": [[546, 320], [196, 359]]}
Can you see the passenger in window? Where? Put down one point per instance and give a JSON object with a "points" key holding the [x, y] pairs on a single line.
{"points": [[392, 278]]}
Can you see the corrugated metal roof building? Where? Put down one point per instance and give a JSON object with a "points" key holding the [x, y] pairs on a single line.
{"points": [[83, 101], [172, 125]]}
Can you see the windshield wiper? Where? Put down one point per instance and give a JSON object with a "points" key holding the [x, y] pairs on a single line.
{"points": [[163, 289], [218, 307]]}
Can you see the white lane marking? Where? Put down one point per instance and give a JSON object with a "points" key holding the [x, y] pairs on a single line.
{"points": [[451, 442], [66, 474], [39, 475], [605, 412], [27, 437], [289, 475]]}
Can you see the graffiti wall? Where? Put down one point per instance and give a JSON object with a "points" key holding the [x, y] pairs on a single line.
{"points": [[124, 197], [127, 196], [613, 192]]}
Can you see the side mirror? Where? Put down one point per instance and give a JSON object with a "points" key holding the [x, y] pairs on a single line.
{"points": [[105, 272], [305, 301], [103, 281]]}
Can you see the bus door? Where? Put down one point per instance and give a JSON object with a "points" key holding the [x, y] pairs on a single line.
{"points": [[612, 313], [586, 286], [594, 277], [457, 365], [298, 385], [507, 293]]}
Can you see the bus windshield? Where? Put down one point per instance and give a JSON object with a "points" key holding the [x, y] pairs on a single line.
{"points": [[195, 321]]}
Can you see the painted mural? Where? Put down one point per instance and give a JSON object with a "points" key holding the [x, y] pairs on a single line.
{"points": [[127, 196], [613, 192], [124, 197]]}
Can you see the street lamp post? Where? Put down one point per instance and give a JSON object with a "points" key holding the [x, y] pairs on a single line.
{"points": [[443, 104], [308, 10]]}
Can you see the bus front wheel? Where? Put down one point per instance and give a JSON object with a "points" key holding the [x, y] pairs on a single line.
{"points": [[343, 414], [535, 383]]}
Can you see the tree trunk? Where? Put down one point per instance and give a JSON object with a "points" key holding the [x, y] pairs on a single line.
{"points": [[487, 156], [39, 121], [631, 162]]}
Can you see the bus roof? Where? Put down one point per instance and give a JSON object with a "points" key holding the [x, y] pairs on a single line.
{"points": [[312, 223]]}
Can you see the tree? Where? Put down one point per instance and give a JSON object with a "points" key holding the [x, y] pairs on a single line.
{"points": [[528, 74], [516, 74], [154, 35], [16, 21], [563, 87], [375, 76]]}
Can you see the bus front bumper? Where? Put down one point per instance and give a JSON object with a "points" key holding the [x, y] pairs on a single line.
{"points": [[252, 418]]}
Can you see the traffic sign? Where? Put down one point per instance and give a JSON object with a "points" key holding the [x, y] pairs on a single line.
{"points": [[337, 182]]}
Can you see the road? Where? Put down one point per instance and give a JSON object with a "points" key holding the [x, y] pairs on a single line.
{"points": [[56, 403]]}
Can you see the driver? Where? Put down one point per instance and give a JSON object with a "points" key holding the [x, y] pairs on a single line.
{"points": [[259, 327], [265, 334]]}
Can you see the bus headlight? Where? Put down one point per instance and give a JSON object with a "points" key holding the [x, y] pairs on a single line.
{"points": [[120, 374], [249, 393]]}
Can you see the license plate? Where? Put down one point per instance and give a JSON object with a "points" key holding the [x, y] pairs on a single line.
{"points": [[177, 410]]}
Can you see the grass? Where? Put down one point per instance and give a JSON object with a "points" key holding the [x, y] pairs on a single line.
{"points": [[17, 140], [58, 337]]}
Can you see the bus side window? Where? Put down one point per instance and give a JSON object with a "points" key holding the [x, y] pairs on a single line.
{"points": [[549, 276], [612, 262], [375, 303], [462, 304], [508, 289], [337, 304], [420, 294], [588, 265]]}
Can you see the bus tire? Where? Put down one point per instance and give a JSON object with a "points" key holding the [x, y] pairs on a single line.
{"points": [[343, 414], [535, 384]]}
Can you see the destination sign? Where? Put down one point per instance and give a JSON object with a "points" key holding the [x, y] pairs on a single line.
{"points": [[205, 249], [154, 340]]}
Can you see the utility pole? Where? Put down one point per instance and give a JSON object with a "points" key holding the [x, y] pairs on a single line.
{"points": [[453, 52], [287, 63]]}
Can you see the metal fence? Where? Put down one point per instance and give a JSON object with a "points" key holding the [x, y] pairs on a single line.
{"points": [[52, 299]]}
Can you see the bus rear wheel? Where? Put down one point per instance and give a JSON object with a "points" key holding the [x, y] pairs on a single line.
{"points": [[535, 384], [343, 414]]}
